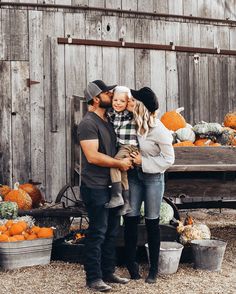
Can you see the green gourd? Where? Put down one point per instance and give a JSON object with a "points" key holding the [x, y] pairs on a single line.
{"points": [[166, 213], [8, 210], [207, 130]]}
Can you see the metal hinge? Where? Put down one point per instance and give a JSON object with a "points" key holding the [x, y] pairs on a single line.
{"points": [[30, 82]]}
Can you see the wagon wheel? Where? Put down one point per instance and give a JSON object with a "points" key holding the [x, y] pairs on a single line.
{"points": [[77, 202], [176, 211], [63, 195]]}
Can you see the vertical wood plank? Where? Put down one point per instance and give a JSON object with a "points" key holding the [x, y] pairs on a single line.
{"points": [[126, 56], [36, 97], [53, 26], [160, 6], [184, 34], [97, 3], [5, 124], [20, 122], [172, 95], [46, 1], [214, 85], [172, 32], [79, 2], [203, 94], [62, 2], [204, 8], [158, 64], [183, 83], [231, 82], [130, 5], [232, 39], [194, 90], [19, 34], [190, 7], [194, 34], [113, 4], [175, 7], [158, 78], [145, 5], [75, 82], [230, 10], [5, 34], [110, 55], [221, 37], [157, 32], [142, 57], [93, 53], [218, 9], [223, 87], [207, 36]]}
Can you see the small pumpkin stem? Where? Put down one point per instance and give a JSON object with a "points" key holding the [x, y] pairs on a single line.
{"points": [[16, 186], [178, 110]]}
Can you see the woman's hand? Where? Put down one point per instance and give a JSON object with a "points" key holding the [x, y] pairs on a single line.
{"points": [[136, 157]]}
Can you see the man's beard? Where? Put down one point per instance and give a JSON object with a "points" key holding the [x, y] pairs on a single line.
{"points": [[104, 105]]}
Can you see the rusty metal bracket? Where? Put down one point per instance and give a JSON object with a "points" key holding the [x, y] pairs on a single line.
{"points": [[30, 82]]}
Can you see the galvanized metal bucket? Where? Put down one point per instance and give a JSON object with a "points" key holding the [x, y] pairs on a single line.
{"points": [[25, 253], [169, 257], [208, 254]]}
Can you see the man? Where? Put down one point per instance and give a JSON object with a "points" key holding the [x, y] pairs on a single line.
{"points": [[98, 143]]}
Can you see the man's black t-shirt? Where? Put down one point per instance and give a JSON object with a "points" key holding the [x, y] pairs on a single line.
{"points": [[90, 128]]}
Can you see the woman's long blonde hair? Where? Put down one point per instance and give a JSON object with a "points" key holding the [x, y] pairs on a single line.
{"points": [[143, 118]]}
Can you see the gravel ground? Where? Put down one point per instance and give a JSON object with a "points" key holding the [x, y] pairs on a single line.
{"points": [[69, 278]]}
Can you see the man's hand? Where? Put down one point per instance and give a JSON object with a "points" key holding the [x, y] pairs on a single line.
{"points": [[125, 164]]}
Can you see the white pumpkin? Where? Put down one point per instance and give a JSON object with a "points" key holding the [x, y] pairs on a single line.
{"points": [[185, 134]]}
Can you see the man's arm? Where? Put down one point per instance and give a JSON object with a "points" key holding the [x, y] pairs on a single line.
{"points": [[90, 149]]}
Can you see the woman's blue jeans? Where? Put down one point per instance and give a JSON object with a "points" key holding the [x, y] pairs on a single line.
{"points": [[148, 188], [100, 254]]}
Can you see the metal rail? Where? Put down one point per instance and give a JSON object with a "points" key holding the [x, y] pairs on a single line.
{"points": [[120, 11], [122, 44]]}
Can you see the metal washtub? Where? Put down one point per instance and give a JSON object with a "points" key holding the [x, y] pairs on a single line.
{"points": [[25, 253]]}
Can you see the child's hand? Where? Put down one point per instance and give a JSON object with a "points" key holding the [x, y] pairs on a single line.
{"points": [[136, 157]]}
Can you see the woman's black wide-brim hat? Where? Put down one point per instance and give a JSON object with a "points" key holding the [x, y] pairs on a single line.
{"points": [[147, 97]]}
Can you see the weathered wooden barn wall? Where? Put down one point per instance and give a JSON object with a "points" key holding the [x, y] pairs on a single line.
{"points": [[204, 8], [35, 121]]}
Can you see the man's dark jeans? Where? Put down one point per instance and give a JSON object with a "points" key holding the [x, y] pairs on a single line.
{"points": [[100, 254]]}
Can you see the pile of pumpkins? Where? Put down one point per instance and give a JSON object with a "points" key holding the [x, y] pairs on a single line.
{"points": [[13, 231], [203, 133], [26, 196]]}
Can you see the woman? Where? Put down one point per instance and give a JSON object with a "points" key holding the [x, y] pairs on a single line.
{"points": [[146, 180]]}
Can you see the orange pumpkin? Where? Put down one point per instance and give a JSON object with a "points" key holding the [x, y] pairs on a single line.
{"points": [[9, 223], [34, 230], [203, 142], [4, 190], [32, 237], [230, 120], [184, 144], [19, 196], [34, 193], [3, 228], [173, 120], [23, 224], [12, 239], [19, 237], [45, 233], [3, 238], [16, 229]]}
